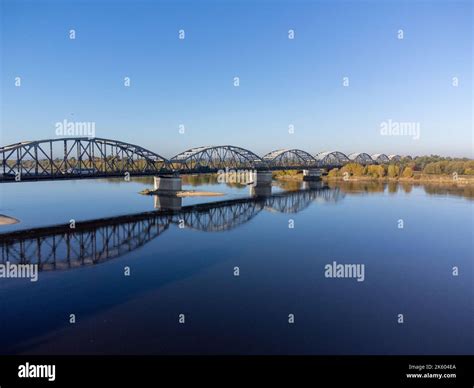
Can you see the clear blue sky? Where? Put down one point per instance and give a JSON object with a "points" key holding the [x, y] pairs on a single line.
{"points": [[282, 81]]}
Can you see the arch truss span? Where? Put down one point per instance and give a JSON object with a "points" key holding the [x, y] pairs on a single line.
{"points": [[77, 157], [331, 159], [394, 158], [380, 158], [361, 158], [290, 158], [214, 158]]}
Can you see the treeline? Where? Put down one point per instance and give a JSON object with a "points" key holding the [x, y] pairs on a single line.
{"points": [[374, 171], [407, 168], [421, 162]]}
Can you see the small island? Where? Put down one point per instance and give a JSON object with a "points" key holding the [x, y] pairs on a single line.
{"points": [[7, 220], [182, 193]]}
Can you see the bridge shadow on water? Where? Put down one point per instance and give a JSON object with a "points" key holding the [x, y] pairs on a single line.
{"points": [[91, 242]]}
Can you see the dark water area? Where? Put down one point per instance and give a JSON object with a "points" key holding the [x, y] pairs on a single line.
{"points": [[185, 262]]}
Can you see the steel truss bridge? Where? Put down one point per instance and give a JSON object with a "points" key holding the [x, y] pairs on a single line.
{"points": [[96, 241], [74, 158]]}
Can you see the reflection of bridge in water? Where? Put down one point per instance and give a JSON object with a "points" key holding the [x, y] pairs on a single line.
{"points": [[96, 241]]}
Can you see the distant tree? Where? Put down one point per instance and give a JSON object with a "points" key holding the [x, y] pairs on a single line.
{"points": [[375, 171], [469, 167], [353, 169], [469, 171], [456, 166], [393, 171], [407, 172], [333, 173], [434, 168], [380, 171]]}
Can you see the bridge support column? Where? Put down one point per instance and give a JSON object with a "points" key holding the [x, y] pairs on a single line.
{"points": [[262, 184], [262, 178], [312, 174], [167, 184]]}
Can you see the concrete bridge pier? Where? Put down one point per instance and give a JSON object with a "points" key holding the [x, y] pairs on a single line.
{"points": [[261, 184], [167, 184], [312, 174]]}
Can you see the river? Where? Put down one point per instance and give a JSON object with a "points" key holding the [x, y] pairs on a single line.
{"points": [[238, 275]]}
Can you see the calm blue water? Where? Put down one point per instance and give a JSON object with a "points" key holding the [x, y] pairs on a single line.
{"points": [[190, 271]]}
